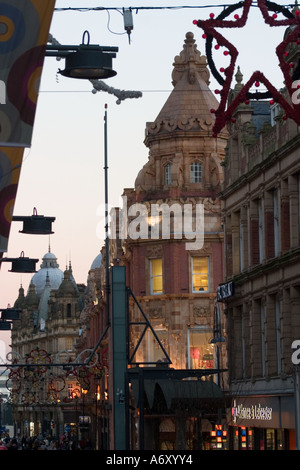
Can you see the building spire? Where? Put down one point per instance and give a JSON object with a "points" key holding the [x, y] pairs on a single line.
{"points": [[190, 61]]}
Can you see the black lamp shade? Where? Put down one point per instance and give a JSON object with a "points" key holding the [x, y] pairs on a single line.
{"points": [[10, 314], [21, 264], [38, 225], [88, 64], [4, 325]]}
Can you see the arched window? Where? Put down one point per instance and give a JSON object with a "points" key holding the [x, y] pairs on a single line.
{"points": [[196, 172], [168, 178]]}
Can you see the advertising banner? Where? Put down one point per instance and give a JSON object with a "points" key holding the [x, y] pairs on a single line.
{"points": [[24, 31]]}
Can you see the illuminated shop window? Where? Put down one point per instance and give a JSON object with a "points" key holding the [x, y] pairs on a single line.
{"points": [[201, 351], [200, 274], [196, 172], [156, 276]]}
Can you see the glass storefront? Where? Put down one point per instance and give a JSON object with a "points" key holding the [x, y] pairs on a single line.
{"points": [[244, 438]]}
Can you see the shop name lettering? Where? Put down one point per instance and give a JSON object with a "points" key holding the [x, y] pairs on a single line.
{"points": [[252, 412]]}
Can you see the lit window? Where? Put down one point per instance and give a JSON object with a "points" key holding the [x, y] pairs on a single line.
{"points": [[168, 178], [201, 350], [196, 172], [69, 344], [200, 275], [156, 276]]}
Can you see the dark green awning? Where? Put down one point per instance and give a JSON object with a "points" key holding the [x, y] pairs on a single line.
{"points": [[187, 393]]}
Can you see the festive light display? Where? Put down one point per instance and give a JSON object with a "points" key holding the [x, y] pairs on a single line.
{"points": [[36, 379], [290, 70]]}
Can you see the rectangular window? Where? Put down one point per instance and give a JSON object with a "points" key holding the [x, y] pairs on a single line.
{"points": [[201, 350], [260, 230], [241, 245], [200, 274], [168, 178], [278, 334], [196, 172], [156, 276], [69, 344], [276, 223], [263, 339]]}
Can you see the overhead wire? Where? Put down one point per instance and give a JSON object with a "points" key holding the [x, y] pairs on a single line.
{"points": [[174, 7]]}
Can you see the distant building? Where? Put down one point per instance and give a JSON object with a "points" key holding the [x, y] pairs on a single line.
{"points": [[46, 333]]}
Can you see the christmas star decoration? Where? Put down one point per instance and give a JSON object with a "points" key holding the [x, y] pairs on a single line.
{"points": [[291, 20]]}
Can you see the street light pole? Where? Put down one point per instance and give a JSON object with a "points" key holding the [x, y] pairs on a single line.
{"points": [[107, 286]]}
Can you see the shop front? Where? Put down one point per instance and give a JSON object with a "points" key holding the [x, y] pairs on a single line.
{"points": [[262, 423], [174, 409]]}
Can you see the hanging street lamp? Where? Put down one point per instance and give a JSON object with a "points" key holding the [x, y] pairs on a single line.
{"points": [[86, 61]]}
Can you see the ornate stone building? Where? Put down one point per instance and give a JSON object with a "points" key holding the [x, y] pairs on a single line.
{"points": [[44, 335], [261, 223], [174, 264]]}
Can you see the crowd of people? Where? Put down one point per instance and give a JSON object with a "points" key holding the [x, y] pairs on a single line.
{"points": [[41, 443]]}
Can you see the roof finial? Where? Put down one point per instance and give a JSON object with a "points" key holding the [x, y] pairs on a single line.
{"points": [[191, 61]]}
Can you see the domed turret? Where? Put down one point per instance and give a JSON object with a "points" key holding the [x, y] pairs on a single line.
{"points": [[50, 268]]}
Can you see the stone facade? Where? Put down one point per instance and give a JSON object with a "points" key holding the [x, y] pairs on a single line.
{"points": [[261, 230], [179, 138]]}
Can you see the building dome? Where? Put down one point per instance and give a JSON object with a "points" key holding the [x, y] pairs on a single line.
{"points": [[50, 268], [96, 264]]}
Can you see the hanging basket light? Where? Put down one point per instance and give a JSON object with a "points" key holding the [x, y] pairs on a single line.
{"points": [[10, 314], [86, 61], [36, 224], [21, 264]]}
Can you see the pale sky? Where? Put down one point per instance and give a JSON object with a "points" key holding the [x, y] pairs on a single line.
{"points": [[62, 173]]}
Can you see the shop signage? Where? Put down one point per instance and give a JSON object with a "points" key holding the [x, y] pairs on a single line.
{"points": [[253, 412], [224, 291]]}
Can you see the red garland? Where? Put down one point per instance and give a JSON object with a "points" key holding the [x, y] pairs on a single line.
{"points": [[222, 114]]}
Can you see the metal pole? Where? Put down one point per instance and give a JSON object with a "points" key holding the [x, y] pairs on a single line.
{"points": [[106, 216], [297, 405]]}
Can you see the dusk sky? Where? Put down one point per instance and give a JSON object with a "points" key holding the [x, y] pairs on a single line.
{"points": [[62, 173]]}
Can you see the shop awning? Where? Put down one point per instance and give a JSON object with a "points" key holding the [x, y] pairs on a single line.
{"points": [[179, 393]]}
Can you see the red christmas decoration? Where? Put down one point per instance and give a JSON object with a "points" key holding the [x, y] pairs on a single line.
{"points": [[209, 26]]}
